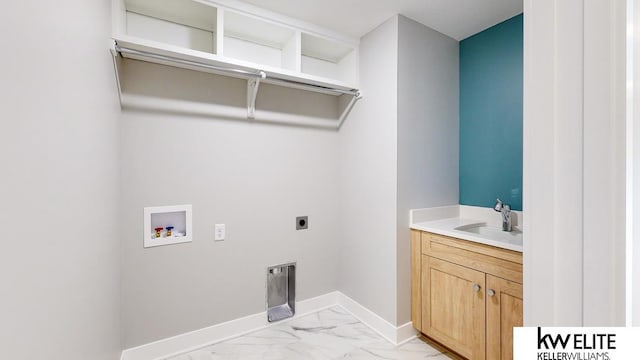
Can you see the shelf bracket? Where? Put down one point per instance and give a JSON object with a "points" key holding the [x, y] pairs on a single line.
{"points": [[357, 96], [116, 67], [252, 92]]}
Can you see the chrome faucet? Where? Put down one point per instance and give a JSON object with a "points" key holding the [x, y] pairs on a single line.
{"points": [[505, 209]]}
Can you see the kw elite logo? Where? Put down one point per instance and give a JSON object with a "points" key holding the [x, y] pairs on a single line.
{"points": [[575, 346]]}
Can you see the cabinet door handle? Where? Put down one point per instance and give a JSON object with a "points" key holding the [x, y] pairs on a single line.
{"points": [[476, 287], [491, 292]]}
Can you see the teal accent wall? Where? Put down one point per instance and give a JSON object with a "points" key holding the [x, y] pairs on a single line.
{"points": [[491, 116]]}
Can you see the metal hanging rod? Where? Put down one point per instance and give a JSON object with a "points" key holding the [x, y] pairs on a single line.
{"points": [[276, 79], [258, 74], [123, 50]]}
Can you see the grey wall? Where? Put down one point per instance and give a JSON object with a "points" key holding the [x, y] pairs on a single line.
{"points": [[356, 185], [634, 172], [59, 189], [253, 177], [368, 180], [428, 135], [72, 158]]}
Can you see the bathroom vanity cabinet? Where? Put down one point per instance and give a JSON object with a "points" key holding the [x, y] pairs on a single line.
{"points": [[466, 296]]}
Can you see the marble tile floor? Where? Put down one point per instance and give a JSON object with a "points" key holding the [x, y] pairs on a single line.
{"points": [[332, 333]]}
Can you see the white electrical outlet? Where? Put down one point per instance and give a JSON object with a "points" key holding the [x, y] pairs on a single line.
{"points": [[220, 232]]}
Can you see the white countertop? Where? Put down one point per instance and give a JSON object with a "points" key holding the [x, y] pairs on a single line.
{"points": [[490, 235]]}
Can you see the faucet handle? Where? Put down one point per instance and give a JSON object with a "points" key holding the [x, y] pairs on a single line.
{"points": [[499, 205]]}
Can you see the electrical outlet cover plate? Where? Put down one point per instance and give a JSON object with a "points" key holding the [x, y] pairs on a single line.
{"points": [[220, 232]]}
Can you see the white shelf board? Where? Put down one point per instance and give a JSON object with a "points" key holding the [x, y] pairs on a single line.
{"points": [[311, 79], [177, 52], [211, 59], [290, 75], [186, 12]]}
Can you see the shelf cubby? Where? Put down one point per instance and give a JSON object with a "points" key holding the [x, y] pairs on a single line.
{"points": [[251, 39], [328, 59], [184, 23]]}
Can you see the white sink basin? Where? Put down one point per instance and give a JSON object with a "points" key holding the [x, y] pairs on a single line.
{"points": [[492, 233]]}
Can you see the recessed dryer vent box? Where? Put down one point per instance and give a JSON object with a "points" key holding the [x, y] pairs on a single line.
{"points": [[166, 225], [281, 291]]}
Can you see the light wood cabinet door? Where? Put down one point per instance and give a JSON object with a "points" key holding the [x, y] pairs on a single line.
{"points": [[504, 311], [453, 306]]}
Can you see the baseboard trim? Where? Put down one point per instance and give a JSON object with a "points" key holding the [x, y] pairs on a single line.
{"points": [[187, 342], [406, 333], [387, 330]]}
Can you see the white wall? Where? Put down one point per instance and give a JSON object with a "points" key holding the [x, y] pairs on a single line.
{"points": [[253, 177], [634, 161], [604, 163], [428, 135], [368, 178], [573, 156], [59, 189]]}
